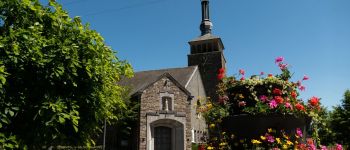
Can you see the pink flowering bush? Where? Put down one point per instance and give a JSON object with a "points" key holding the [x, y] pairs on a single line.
{"points": [[264, 95], [261, 95]]}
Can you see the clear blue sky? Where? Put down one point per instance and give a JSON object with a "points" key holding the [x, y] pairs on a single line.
{"points": [[312, 35]]}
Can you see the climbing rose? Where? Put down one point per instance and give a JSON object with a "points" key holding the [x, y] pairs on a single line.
{"points": [[279, 59], [241, 71], [314, 101]]}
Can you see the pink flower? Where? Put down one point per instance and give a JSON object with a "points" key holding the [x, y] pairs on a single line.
{"points": [[283, 66], [288, 105], [339, 147], [263, 98], [262, 73], [242, 103], [312, 147], [241, 71], [270, 138], [305, 77], [299, 132], [273, 104], [243, 78], [302, 88], [323, 147], [279, 59]]}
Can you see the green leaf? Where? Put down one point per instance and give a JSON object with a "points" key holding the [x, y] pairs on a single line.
{"points": [[4, 120], [11, 113], [61, 119]]}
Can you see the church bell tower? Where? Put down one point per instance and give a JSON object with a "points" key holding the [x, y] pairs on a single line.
{"points": [[207, 53]]}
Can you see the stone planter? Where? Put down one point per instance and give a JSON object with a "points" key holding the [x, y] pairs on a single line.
{"points": [[252, 126]]}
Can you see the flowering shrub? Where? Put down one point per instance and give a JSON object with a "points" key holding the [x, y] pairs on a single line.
{"points": [[260, 95], [264, 95]]}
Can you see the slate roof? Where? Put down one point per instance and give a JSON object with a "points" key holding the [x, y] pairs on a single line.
{"points": [[144, 78]]}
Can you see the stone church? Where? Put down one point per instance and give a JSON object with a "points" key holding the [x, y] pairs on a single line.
{"points": [[168, 119]]}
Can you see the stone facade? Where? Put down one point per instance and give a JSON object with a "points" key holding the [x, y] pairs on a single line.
{"points": [[151, 111]]}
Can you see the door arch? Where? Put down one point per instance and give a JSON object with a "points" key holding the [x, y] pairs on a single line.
{"points": [[167, 134]]}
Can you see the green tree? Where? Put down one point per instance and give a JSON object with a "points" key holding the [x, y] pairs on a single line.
{"points": [[340, 120], [57, 77]]}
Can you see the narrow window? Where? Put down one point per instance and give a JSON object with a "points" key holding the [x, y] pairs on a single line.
{"points": [[166, 103]]}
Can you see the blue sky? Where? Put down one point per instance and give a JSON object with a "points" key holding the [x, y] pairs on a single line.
{"points": [[312, 35]]}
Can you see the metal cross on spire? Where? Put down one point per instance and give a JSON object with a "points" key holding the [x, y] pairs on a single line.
{"points": [[206, 25]]}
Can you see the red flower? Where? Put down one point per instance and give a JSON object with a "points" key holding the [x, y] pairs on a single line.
{"points": [[277, 91], [221, 76], [300, 107], [294, 94], [314, 101], [270, 75], [279, 99], [242, 78], [221, 70]]}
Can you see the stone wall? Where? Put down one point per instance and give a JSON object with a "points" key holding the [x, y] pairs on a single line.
{"points": [[151, 103], [199, 125]]}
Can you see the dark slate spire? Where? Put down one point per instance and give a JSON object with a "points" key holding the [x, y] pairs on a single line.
{"points": [[206, 25]]}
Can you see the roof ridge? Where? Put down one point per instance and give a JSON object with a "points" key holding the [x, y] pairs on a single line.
{"points": [[166, 69]]}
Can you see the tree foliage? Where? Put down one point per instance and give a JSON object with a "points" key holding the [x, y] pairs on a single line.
{"points": [[340, 120], [57, 77]]}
